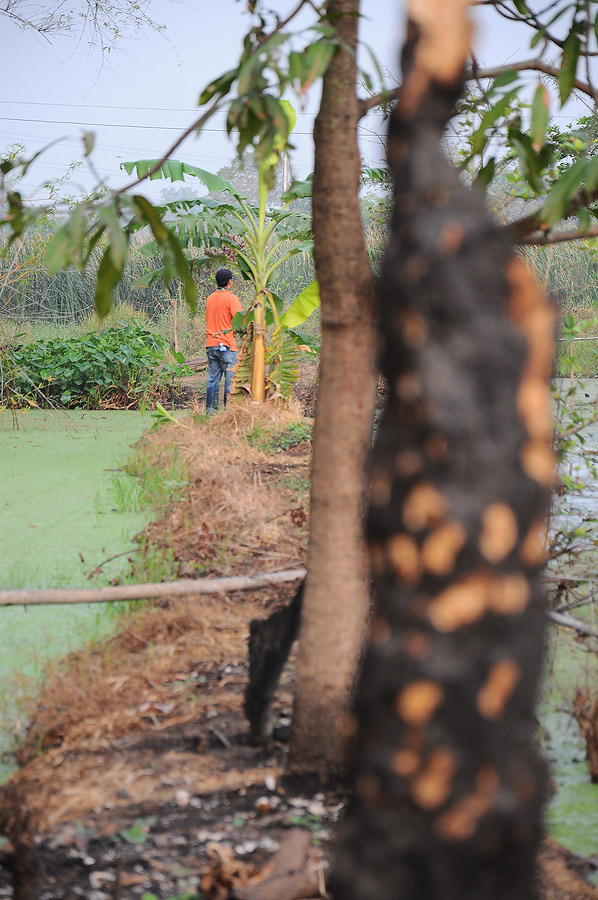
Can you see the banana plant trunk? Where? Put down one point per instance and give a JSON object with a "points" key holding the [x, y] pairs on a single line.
{"points": [[258, 364]]}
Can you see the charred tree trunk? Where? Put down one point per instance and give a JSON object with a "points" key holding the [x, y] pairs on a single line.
{"points": [[270, 643], [336, 599], [446, 777]]}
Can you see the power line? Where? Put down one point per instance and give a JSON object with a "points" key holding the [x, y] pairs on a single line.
{"points": [[124, 125], [192, 109], [105, 148]]}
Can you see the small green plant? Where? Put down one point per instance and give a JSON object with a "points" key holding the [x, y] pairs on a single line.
{"points": [[271, 440], [158, 482], [126, 493], [138, 833], [161, 416], [153, 563], [308, 820], [186, 895], [116, 365]]}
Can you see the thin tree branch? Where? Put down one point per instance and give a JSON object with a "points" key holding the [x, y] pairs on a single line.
{"points": [[475, 74], [571, 622], [558, 237], [128, 592], [532, 65], [291, 16], [364, 104]]}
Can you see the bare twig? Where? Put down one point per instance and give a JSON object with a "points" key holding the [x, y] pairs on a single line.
{"points": [[570, 622], [128, 592], [558, 237]]}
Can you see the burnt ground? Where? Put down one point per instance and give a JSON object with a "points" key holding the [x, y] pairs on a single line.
{"points": [[137, 779]]}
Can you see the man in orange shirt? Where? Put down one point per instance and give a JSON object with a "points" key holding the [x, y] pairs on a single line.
{"points": [[221, 346]]}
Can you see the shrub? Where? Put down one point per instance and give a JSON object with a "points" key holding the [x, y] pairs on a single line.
{"points": [[113, 367]]}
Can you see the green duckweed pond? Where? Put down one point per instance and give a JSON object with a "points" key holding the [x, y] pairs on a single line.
{"points": [[59, 523]]}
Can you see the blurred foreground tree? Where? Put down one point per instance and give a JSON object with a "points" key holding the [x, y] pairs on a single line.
{"points": [[447, 780]]}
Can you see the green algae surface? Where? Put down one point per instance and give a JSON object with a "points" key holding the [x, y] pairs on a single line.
{"points": [[572, 814], [59, 522]]}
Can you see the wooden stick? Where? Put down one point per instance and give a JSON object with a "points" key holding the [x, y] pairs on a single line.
{"points": [[571, 622], [571, 579], [127, 592]]}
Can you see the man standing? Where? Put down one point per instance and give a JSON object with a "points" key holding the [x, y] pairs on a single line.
{"points": [[221, 346]]}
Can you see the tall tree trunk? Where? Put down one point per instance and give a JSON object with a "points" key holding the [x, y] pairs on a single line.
{"points": [[336, 597], [447, 780]]}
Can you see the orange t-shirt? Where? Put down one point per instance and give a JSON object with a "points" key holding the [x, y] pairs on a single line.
{"points": [[221, 306]]}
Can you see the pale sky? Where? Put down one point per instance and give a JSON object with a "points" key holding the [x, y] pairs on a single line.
{"points": [[148, 89]]}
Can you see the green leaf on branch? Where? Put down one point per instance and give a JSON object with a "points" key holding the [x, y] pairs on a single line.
{"points": [[91, 245], [107, 278], [58, 253], [495, 112], [559, 198], [16, 213], [152, 217], [316, 59], [486, 173], [221, 85], [503, 80], [531, 162], [89, 140], [585, 219], [65, 247], [568, 69], [148, 279], [119, 239]]}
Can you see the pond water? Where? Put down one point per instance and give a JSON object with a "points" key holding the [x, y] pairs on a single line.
{"points": [[58, 523], [572, 815]]}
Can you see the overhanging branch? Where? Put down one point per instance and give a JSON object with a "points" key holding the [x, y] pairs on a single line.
{"points": [[475, 74]]}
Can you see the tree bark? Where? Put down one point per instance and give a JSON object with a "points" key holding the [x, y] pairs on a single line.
{"points": [[336, 599], [447, 781]]}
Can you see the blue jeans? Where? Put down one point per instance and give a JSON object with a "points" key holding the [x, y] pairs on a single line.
{"points": [[220, 362]]}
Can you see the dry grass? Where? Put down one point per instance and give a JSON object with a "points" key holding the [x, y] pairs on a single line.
{"points": [[238, 515], [101, 714]]}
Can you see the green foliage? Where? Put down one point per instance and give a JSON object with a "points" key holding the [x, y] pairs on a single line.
{"points": [[138, 833], [157, 484], [271, 440], [302, 306], [97, 369], [186, 895]]}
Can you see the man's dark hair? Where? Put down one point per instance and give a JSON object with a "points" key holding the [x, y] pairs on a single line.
{"points": [[223, 276]]}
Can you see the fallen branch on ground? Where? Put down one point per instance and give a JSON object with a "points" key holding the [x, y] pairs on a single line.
{"points": [[571, 622], [127, 592]]}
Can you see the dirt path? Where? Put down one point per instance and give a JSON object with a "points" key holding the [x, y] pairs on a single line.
{"points": [[137, 778]]}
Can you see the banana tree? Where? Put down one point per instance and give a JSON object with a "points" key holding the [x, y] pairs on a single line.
{"points": [[262, 239]]}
